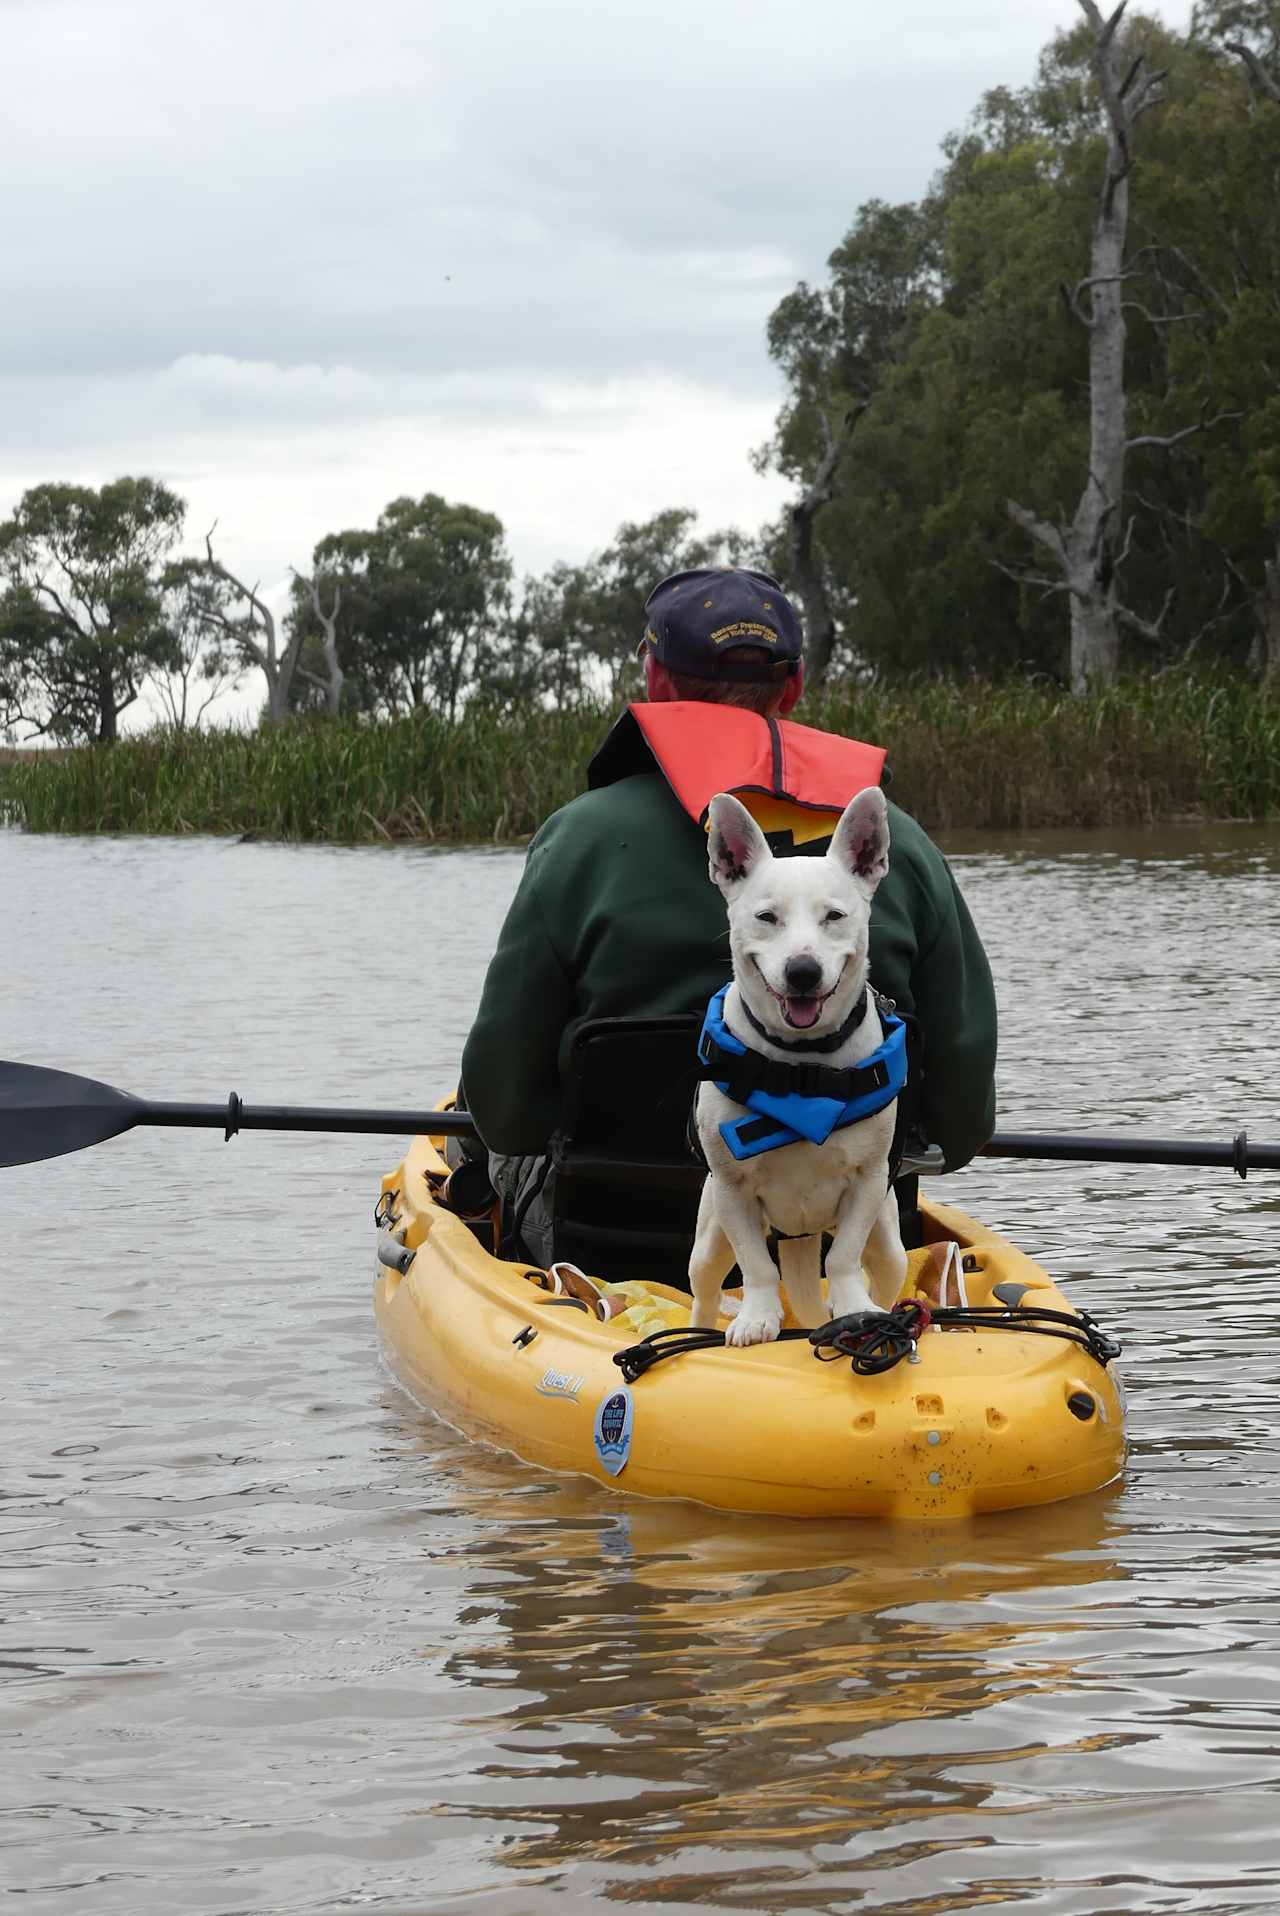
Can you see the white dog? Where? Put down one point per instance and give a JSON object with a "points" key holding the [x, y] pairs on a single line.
{"points": [[798, 932]]}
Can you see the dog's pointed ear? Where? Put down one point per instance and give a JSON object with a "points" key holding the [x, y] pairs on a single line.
{"points": [[735, 844], [860, 842]]}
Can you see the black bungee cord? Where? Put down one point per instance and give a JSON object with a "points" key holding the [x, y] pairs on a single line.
{"points": [[875, 1341]]}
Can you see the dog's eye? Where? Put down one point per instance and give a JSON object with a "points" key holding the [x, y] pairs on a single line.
{"points": [[767, 917], [834, 917]]}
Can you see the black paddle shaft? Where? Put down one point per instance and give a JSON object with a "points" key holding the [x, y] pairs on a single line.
{"points": [[235, 1116], [1239, 1156], [44, 1114]]}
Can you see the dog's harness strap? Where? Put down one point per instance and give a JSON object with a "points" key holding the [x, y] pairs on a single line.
{"points": [[789, 1100], [739, 1074]]}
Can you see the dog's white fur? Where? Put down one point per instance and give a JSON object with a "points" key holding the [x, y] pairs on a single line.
{"points": [[820, 912]]}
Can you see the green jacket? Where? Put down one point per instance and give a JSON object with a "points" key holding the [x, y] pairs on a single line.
{"points": [[616, 917]]}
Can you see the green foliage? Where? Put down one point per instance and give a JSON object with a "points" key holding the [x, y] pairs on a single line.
{"points": [[1027, 755], [1214, 183], [81, 615], [837, 339], [964, 754], [426, 615], [578, 627], [1253, 23], [422, 599]]}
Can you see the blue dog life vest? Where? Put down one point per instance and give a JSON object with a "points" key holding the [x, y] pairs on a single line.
{"points": [[786, 1117]]}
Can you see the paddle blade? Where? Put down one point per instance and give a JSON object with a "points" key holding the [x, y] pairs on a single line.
{"points": [[44, 1114]]}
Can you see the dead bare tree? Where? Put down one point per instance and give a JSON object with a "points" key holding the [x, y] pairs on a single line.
{"points": [[1264, 653], [1264, 81], [1084, 550], [808, 573], [243, 622], [334, 679]]}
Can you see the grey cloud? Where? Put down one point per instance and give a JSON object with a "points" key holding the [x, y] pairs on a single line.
{"points": [[456, 186]]}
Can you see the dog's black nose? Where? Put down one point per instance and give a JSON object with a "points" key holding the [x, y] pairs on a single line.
{"points": [[803, 976]]}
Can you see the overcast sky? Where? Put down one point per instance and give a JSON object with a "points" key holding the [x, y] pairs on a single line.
{"points": [[297, 257]]}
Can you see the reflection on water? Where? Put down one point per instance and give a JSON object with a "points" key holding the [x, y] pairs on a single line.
{"points": [[790, 1673], [274, 1641]]}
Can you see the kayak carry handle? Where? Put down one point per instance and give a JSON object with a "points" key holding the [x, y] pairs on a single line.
{"points": [[397, 1256]]}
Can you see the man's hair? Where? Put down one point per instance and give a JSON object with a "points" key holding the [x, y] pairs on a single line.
{"points": [[751, 698]]}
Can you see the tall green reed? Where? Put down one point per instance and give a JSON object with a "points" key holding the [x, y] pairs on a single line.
{"points": [[971, 754]]}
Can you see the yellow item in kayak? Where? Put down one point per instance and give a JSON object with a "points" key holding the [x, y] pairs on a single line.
{"points": [[982, 1419], [648, 1308]]}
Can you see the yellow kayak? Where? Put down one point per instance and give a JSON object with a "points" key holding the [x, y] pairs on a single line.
{"points": [[996, 1405]]}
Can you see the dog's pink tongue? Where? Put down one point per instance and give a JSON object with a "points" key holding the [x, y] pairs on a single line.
{"points": [[803, 1012]]}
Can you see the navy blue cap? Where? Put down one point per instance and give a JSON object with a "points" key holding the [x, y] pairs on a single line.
{"points": [[699, 620]]}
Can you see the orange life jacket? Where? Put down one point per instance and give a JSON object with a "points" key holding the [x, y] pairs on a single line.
{"points": [[794, 781]]}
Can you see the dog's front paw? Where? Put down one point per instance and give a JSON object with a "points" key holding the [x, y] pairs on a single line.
{"points": [[754, 1326], [848, 1296]]}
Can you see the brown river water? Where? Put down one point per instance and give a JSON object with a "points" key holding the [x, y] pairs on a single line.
{"points": [[274, 1640]]}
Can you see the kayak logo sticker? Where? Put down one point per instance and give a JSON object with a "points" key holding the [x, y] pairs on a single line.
{"points": [[614, 1419], [555, 1383]]}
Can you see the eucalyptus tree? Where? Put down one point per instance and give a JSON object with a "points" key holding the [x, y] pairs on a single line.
{"points": [[551, 644], [940, 338], [585, 622], [601, 611], [834, 344], [82, 623], [416, 604], [327, 677]]}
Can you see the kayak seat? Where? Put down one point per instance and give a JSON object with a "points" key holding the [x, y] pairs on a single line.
{"points": [[626, 1184]]}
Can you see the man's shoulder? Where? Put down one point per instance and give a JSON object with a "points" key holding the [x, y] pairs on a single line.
{"points": [[609, 851], [641, 798], [632, 813]]}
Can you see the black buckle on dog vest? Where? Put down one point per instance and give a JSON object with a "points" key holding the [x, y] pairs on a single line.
{"points": [[744, 1072]]}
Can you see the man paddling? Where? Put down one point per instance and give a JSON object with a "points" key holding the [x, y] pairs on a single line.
{"points": [[614, 916]]}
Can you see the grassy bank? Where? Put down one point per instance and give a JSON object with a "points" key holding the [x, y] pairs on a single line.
{"points": [[971, 755]]}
